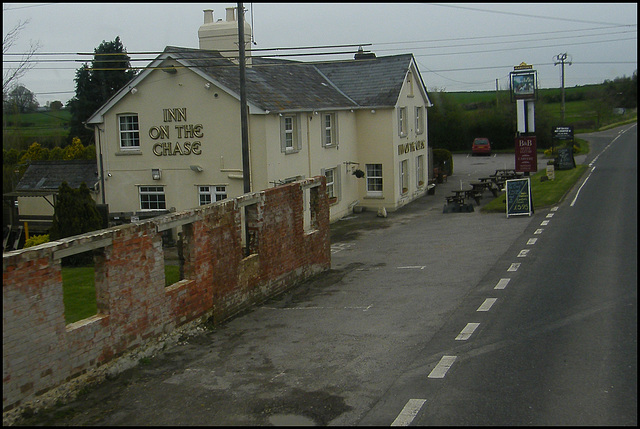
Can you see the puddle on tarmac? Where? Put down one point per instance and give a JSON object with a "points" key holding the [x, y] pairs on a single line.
{"points": [[290, 420]]}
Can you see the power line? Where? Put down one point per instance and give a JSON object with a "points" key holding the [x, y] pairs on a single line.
{"points": [[556, 18]]}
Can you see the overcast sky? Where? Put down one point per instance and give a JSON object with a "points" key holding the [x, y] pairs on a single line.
{"points": [[458, 46]]}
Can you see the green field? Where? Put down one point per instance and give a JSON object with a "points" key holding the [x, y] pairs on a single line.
{"points": [[79, 291]]}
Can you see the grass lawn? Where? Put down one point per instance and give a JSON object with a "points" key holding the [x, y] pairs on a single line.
{"points": [[79, 291], [545, 193]]}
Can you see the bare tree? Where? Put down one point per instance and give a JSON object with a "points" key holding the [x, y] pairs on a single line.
{"points": [[11, 74]]}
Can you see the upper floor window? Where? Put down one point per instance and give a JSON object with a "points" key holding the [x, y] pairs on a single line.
{"points": [[289, 134], [419, 120], [329, 129], [402, 121], [330, 174], [129, 131]]}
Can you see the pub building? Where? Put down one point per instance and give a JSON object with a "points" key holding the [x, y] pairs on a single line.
{"points": [[171, 139]]}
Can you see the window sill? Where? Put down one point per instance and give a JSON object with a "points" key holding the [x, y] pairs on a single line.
{"points": [[125, 152]]}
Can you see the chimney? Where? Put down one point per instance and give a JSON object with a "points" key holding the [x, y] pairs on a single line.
{"points": [[361, 55], [208, 16], [223, 35], [231, 14]]}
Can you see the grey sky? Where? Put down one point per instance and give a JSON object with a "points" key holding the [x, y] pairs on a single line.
{"points": [[458, 46]]}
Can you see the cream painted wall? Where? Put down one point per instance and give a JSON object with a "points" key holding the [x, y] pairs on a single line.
{"points": [[220, 143]]}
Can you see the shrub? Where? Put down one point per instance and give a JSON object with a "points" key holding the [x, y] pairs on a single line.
{"points": [[34, 240], [443, 158]]}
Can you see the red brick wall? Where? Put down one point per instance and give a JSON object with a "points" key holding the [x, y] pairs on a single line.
{"points": [[41, 352]]}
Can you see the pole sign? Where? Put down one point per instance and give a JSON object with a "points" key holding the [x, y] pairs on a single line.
{"points": [[519, 200], [526, 154], [562, 133]]}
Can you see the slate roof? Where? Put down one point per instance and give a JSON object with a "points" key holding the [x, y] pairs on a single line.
{"points": [[278, 85], [45, 177]]}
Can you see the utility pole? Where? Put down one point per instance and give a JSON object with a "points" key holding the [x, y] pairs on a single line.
{"points": [[244, 126], [561, 58], [243, 102]]}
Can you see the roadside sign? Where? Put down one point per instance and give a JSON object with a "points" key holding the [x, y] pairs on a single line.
{"points": [[526, 154], [519, 200], [562, 133]]}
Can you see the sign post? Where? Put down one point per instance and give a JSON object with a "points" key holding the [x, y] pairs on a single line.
{"points": [[519, 199], [523, 81]]}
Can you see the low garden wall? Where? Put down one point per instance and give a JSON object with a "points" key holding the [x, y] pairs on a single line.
{"points": [[41, 352]]}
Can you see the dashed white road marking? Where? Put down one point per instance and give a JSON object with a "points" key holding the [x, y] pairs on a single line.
{"points": [[538, 231], [409, 412], [487, 304], [544, 223], [502, 284], [523, 253], [514, 266], [467, 331], [442, 367], [532, 241], [413, 267], [549, 215], [553, 209]]}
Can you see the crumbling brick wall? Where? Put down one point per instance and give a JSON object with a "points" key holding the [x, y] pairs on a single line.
{"points": [[42, 352]]}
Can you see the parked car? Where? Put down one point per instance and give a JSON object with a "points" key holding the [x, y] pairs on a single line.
{"points": [[481, 146]]}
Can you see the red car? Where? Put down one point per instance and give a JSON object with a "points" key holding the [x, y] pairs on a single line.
{"points": [[481, 146]]}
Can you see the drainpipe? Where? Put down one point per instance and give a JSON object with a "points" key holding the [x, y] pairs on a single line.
{"points": [[101, 169]]}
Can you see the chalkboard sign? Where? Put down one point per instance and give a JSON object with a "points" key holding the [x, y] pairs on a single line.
{"points": [[565, 160], [519, 201]]}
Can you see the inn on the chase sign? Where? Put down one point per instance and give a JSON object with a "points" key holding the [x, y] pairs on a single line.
{"points": [[182, 131], [411, 147]]}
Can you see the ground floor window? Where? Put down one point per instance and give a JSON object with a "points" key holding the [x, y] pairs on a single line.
{"points": [[209, 194], [374, 179], [330, 174], [420, 170], [404, 176], [152, 198]]}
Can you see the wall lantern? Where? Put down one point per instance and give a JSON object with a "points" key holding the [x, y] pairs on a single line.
{"points": [[134, 90], [207, 85], [155, 174], [196, 168]]}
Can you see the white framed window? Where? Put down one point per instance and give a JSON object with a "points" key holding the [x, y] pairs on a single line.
{"points": [[152, 198], [402, 121], [333, 183], [129, 131], [208, 194], [420, 170], [404, 176], [329, 129], [419, 119], [374, 179], [289, 134]]}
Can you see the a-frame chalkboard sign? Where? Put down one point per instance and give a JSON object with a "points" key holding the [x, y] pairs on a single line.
{"points": [[518, 197]]}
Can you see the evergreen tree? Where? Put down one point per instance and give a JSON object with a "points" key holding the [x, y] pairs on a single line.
{"points": [[75, 212], [109, 71]]}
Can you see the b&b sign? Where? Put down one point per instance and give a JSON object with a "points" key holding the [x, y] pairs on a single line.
{"points": [[526, 154]]}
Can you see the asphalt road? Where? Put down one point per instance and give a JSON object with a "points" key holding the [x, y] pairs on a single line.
{"points": [[389, 335]]}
